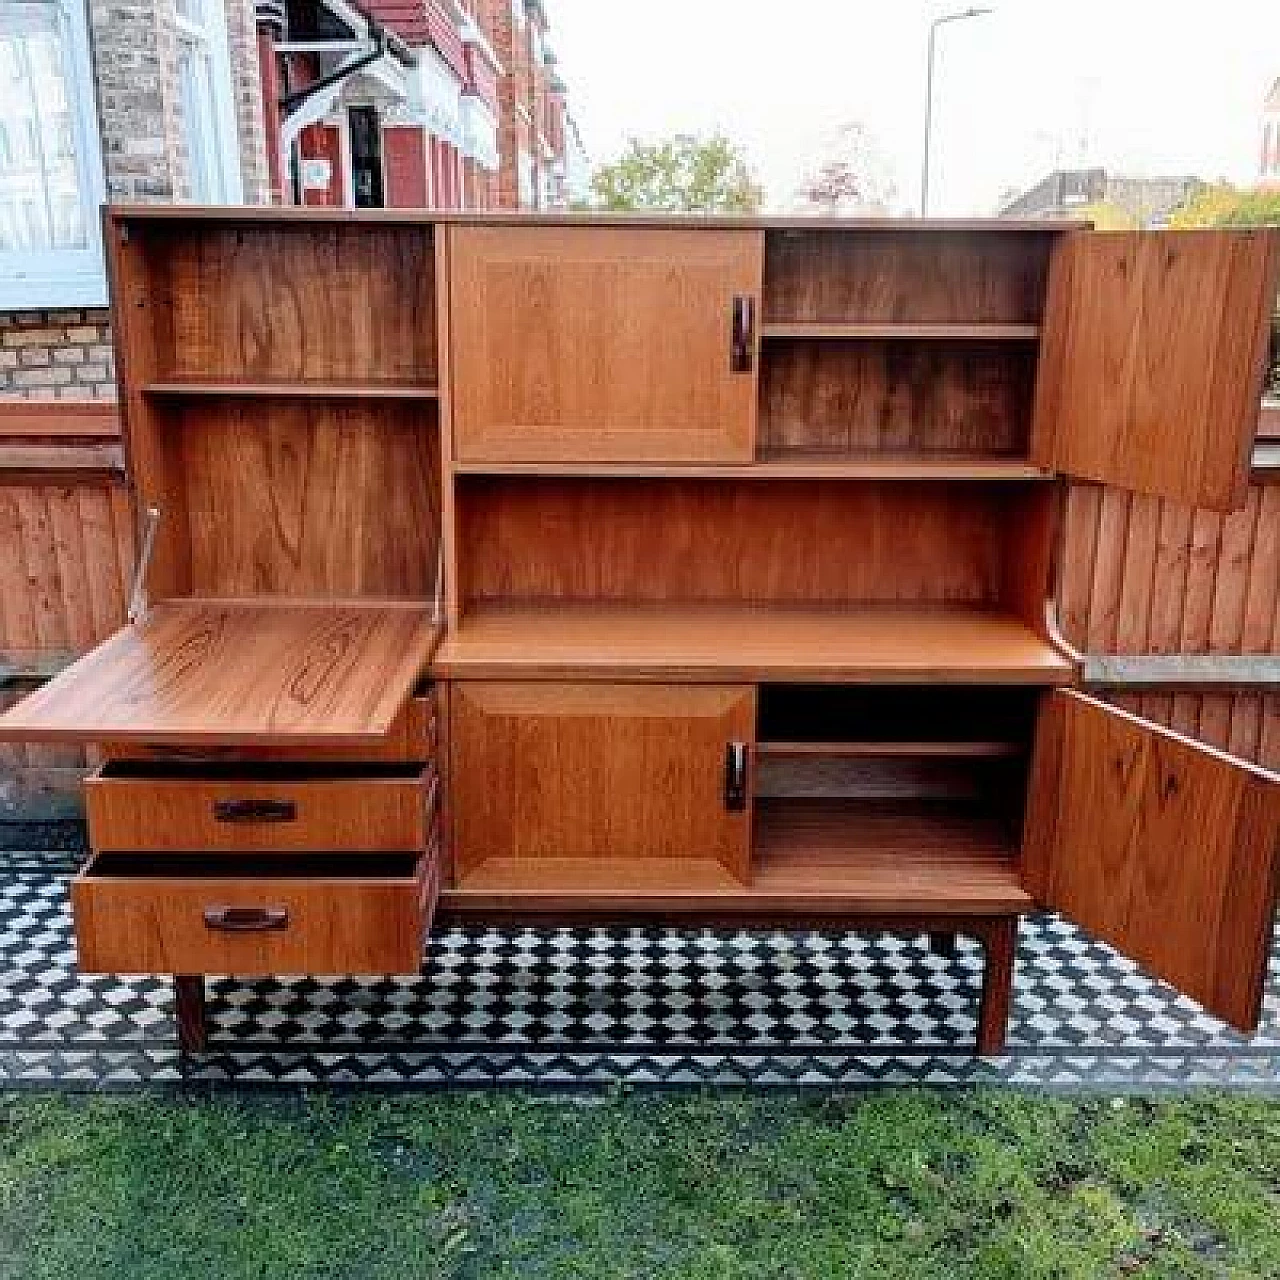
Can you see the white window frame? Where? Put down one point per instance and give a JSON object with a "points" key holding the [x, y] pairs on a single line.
{"points": [[43, 278], [224, 128]]}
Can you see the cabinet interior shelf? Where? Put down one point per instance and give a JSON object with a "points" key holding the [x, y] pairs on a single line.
{"points": [[886, 330], [781, 466], [301, 388], [975, 750], [700, 642], [818, 855]]}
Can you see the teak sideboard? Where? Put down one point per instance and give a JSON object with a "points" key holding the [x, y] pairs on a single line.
{"points": [[571, 570]]}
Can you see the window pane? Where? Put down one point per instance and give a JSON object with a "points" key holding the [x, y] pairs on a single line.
{"points": [[41, 203], [195, 84]]}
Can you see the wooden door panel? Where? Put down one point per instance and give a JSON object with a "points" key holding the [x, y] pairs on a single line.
{"points": [[597, 343], [1152, 360], [1166, 849], [605, 771]]}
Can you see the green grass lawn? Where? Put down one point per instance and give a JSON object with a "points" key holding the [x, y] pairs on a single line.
{"points": [[885, 1184]]}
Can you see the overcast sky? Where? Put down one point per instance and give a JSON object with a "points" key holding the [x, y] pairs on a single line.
{"points": [[1142, 87]]}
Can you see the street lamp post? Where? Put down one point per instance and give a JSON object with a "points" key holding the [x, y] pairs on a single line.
{"points": [[958, 16]]}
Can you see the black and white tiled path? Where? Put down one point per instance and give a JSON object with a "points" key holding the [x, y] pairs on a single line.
{"points": [[581, 1008]]}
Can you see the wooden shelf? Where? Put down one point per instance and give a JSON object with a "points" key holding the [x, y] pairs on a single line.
{"points": [[782, 467], [887, 750], [564, 641], [901, 332], [303, 388], [820, 857]]}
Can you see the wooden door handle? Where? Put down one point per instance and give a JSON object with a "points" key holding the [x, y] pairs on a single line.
{"points": [[245, 919], [255, 811], [735, 777], [743, 340]]}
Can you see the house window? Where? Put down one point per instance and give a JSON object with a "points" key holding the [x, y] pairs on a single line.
{"points": [[209, 132], [50, 163], [526, 187]]}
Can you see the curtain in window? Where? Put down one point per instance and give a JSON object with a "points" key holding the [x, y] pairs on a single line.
{"points": [[42, 206]]}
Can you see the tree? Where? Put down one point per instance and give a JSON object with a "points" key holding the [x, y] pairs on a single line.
{"points": [[682, 173], [1222, 205], [854, 178]]}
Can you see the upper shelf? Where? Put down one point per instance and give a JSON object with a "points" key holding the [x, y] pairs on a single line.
{"points": [[890, 331], [238, 673], [710, 642], [951, 467], [302, 388]]}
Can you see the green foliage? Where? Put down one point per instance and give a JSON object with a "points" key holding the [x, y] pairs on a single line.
{"points": [[1223, 205], [1109, 217], [894, 1185], [679, 174]]}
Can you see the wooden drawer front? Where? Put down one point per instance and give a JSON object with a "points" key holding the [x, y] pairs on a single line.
{"points": [[131, 811], [254, 914], [412, 737]]}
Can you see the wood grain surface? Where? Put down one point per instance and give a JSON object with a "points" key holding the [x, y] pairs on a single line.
{"points": [[1168, 850], [370, 811], [361, 921], [871, 397], [1139, 385], [900, 276], [601, 772], [600, 343], [731, 644], [238, 672]]}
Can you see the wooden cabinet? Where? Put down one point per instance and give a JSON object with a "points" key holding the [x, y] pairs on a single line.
{"points": [[606, 343], [635, 570]]}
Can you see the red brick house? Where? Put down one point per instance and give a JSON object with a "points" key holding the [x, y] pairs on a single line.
{"points": [[450, 104]]}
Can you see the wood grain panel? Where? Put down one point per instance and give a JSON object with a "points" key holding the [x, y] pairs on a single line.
{"points": [[136, 810], [238, 672], [605, 343], [924, 276], [785, 541], [832, 397], [294, 302], [132, 918], [597, 771], [1114, 806], [710, 643], [309, 498], [1136, 387]]}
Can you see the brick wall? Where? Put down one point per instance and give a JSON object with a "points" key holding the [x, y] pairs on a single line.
{"points": [[46, 355]]}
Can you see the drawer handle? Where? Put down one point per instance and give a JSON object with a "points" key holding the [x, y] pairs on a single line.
{"points": [[735, 777], [255, 811], [246, 919]]}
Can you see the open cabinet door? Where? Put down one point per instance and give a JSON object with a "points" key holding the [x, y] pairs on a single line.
{"points": [[1152, 360], [1167, 850]]}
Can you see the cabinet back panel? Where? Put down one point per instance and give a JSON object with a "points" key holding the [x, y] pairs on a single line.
{"points": [[307, 497], [941, 277], [722, 541], [309, 301], [896, 397]]}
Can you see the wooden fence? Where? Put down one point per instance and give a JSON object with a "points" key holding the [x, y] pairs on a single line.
{"points": [[66, 553], [1146, 577]]}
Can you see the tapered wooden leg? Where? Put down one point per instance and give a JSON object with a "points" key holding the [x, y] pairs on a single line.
{"points": [[1001, 942], [188, 1000], [943, 944]]}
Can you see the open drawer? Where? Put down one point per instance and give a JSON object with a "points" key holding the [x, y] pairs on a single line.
{"points": [[255, 914], [136, 805]]}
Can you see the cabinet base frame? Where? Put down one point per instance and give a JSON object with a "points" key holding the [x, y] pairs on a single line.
{"points": [[997, 934]]}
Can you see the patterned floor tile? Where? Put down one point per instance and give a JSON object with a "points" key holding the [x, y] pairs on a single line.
{"points": [[581, 1008]]}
